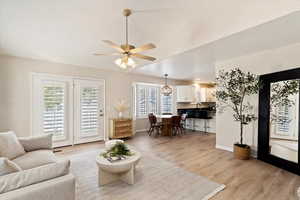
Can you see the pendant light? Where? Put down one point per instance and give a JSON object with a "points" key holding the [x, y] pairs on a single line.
{"points": [[166, 90]]}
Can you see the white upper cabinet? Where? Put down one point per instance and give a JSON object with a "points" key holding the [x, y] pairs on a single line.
{"points": [[185, 93], [211, 94]]}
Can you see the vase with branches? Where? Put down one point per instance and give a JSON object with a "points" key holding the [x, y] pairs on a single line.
{"points": [[121, 107], [234, 89]]}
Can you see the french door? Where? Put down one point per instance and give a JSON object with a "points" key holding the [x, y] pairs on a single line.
{"points": [[69, 108], [89, 112]]}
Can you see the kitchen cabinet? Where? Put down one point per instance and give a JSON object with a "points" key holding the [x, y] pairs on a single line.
{"points": [[211, 94], [185, 93]]}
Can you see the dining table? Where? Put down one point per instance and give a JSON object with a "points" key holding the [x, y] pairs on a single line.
{"points": [[166, 121]]}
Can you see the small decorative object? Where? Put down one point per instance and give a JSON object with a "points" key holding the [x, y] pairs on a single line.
{"points": [[121, 107], [166, 90], [110, 143], [233, 88], [117, 152]]}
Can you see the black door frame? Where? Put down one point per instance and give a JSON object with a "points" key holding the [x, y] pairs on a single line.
{"points": [[264, 118]]}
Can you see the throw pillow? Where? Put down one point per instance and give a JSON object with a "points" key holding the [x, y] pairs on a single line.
{"points": [[10, 147], [37, 142]]}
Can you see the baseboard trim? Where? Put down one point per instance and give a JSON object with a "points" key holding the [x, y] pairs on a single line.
{"points": [[140, 131], [226, 148]]}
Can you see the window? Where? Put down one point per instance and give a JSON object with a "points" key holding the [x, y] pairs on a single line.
{"points": [[166, 104], [285, 124], [54, 109], [149, 100], [283, 121]]}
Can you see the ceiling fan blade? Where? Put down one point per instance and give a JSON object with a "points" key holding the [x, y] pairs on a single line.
{"points": [[106, 54], [143, 57], [143, 48], [114, 45]]}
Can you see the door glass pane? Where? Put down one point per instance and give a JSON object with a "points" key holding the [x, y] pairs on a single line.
{"points": [[89, 109], [284, 112], [54, 110]]}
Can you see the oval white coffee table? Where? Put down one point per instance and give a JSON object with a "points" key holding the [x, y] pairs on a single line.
{"points": [[119, 170]]}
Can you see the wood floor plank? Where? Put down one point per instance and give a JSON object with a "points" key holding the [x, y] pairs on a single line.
{"points": [[196, 152]]}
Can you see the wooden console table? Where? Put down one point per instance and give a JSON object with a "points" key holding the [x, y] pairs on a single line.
{"points": [[121, 128]]}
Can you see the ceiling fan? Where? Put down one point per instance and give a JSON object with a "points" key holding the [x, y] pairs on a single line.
{"points": [[127, 51]]}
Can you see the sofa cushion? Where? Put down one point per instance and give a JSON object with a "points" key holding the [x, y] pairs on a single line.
{"points": [[8, 167], [32, 176], [37, 142], [10, 147], [35, 159]]}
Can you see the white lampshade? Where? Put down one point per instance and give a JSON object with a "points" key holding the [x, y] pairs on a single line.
{"points": [[125, 65]]}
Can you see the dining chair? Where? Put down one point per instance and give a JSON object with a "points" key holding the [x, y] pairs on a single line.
{"points": [[183, 121], [154, 125], [176, 125]]}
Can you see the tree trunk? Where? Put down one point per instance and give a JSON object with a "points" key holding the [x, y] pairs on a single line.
{"points": [[241, 131]]}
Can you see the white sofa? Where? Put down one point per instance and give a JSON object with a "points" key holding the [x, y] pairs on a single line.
{"points": [[29, 170]]}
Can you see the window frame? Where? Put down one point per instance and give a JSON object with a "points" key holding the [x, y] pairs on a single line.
{"points": [[159, 105]]}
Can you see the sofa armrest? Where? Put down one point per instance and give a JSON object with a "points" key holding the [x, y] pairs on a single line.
{"points": [[54, 189], [37, 142], [28, 177]]}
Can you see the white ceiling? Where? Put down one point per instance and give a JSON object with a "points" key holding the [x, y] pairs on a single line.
{"points": [[199, 63], [70, 31]]}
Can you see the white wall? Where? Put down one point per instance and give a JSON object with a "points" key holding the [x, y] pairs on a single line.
{"points": [[15, 89], [279, 59]]}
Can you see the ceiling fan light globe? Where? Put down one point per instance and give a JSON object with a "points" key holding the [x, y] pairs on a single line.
{"points": [[130, 62], [118, 61]]}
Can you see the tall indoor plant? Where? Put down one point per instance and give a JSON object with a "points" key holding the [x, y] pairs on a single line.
{"points": [[234, 87]]}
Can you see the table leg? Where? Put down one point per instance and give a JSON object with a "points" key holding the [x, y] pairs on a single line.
{"points": [[106, 177], [128, 177]]}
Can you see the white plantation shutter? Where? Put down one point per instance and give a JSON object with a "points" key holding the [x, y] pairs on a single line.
{"points": [[153, 99], [53, 95], [166, 104], [89, 108], [284, 119], [150, 100], [141, 97]]}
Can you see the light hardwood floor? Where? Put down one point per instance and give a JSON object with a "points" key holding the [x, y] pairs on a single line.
{"points": [[196, 152]]}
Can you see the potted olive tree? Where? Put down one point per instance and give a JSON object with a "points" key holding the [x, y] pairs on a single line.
{"points": [[234, 89]]}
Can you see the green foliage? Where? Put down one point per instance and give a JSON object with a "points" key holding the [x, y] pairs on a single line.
{"points": [[281, 93], [119, 149], [233, 88], [50, 103]]}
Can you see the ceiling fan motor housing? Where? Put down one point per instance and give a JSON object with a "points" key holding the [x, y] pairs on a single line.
{"points": [[127, 47]]}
